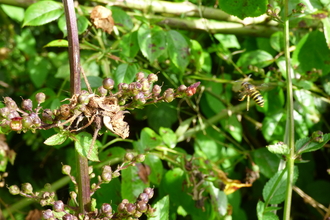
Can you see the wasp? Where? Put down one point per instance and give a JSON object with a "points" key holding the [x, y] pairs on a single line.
{"points": [[250, 90]]}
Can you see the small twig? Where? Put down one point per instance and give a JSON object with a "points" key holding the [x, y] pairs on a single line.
{"points": [[86, 81]]}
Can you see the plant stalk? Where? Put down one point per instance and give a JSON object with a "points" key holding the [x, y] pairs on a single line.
{"points": [[289, 138], [74, 57]]}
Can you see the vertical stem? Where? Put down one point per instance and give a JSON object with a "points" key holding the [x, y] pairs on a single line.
{"points": [[74, 57], [289, 139]]}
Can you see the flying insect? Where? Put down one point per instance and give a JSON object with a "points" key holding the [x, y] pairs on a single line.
{"points": [[250, 90]]}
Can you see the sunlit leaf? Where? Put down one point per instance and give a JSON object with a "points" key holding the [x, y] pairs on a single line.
{"points": [[56, 139], [83, 146], [131, 185], [178, 49], [162, 209], [125, 73], [169, 137], [244, 8], [42, 12]]}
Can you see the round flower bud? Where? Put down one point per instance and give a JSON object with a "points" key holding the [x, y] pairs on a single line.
{"points": [[27, 104], [106, 208], [26, 122], [144, 197], [149, 191], [156, 90], [130, 208], [45, 195], [139, 76], [129, 157], [140, 158], [145, 85], [141, 206], [5, 126], [40, 97], [66, 169], [102, 91], [27, 188], [4, 112], [121, 207], [137, 214], [67, 217], [123, 86], [10, 103], [35, 119], [47, 214], [14, 190], [115, 174], [108, 83], [59, 206], [182, 88], [152, 78], [106, 174], [13, 114], [83, 98]]}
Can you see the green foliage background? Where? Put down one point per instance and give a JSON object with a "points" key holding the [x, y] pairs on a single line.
{"points": [[212, 129]]}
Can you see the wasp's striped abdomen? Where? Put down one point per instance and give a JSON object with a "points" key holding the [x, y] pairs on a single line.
{"points": [[257, 97]]}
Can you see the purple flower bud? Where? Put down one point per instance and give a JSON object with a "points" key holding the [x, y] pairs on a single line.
{"points": [[4, 112], [26, 122], [47, 214], [156, 90], [145, 85], [13, 114], [108, 83], [191, 90], [106, 174], [149, 191], [141, 206], [144, 197], [139, 76], [129, 157], [106, 208], [130, 208], [123, 86], [182, 88], [59, 206], [27, 104]]}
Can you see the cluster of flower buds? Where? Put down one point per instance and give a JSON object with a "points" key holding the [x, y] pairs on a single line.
{"points": [[13, 118], [44, 198], [135, 210]]}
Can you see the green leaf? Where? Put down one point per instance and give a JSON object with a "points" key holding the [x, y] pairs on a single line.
{"points": [[266, 161], [168, 136], [196, 54], [326, 29], [26, 42], [277, 42], [38, 68], [131, 185], [218, 199], [305, 145], [15, 13], [162, 209], [162, 115], [228, 40], [129, 45], [151, 41], [274, 101], [233, 126], [178, 49], [183, 127], [273, 126], [274, 190], [279, 148], [156, 168], [244, 8], [57, 43], [82, 24], [3, 159], [207, 146], [312, 52], [122, 19], [56, 139], [148, 140], [260, 209], [258, 58], [125, 73], [94, 82], [112, 155], [42, 12], [83, 146]]}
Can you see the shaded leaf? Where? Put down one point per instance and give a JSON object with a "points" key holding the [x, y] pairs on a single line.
{"points": [[178, 49]]}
